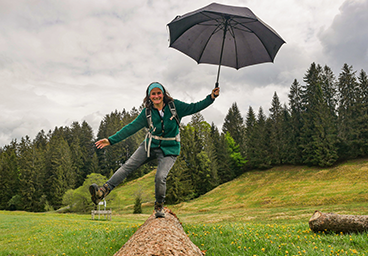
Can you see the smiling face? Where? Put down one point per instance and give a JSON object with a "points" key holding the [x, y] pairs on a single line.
{"points": [[157, 97]]}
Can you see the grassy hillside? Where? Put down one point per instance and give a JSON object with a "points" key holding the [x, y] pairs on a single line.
{"points": [[281, 194], [260, 213]]}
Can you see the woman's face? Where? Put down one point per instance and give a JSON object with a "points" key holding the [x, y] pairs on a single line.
{"points": [[156, 96]]}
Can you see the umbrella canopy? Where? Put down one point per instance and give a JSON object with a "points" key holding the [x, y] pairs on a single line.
{"points": [[224, 35]]}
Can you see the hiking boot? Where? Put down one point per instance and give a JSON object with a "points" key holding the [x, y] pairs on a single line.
{"points": [[159, 208], [98, 193]]}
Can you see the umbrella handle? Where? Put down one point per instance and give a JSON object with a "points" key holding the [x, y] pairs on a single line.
{"points": [[222, 50], [218, 73]]}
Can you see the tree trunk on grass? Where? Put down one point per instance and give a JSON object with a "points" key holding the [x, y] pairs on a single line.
{"points": [[160, 236], [338, 223]]}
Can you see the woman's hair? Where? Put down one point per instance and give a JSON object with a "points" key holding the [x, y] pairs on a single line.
{"points": [[147, 101]]}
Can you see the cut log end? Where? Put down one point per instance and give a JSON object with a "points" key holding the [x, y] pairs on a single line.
{"points": [[315, 216], [160, 236]]}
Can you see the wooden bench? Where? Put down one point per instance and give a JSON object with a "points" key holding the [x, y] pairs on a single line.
{"points": [[106, 213]]}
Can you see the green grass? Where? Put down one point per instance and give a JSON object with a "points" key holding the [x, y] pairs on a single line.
{"points": [[259, 213], [71, 234], [62, 234], [273, 239]]}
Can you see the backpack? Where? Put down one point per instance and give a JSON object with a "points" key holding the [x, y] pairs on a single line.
{"points": [[172, 110], [149, 135]]}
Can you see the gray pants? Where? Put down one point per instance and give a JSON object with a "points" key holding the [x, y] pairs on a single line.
{"points": [[165, 163]]}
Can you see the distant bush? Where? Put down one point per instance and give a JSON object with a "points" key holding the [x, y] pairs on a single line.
{"points": [[138, 205]]}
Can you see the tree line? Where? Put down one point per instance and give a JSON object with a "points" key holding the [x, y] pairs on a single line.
{"points": [[325, 121]]}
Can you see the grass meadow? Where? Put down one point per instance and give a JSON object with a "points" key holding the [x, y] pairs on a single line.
{"points": [[70, 234], [260, 213]]}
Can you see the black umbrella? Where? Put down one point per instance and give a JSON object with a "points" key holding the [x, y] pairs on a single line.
{"points": [[224, 35]]}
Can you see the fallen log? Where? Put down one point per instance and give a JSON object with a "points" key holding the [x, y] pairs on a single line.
{"points": [[332, 222], [160, 236]]}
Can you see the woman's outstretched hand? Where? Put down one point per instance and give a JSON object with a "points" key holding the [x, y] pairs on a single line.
{"points": [[215, 93], [102, 143]]}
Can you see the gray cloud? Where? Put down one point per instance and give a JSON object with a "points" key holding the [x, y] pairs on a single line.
{"points": [[346, 40], [65, 61]]}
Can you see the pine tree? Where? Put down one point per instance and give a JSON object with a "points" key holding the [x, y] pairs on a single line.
{"points": [[137, 205], [31, 175], [237, 161], [87, 147], [224, 172], [179, 183], [199, 154], [109, 157], [9, 177], [261, 157], [234, 124], [347, 86], [190, 147], [206, 157], [296, 123], [329, 90], [80, 141], [78, 160], [275, 130], [250, 142], [40, 142], [318, 137], [285, 137], [60, 174], [361, 116]]}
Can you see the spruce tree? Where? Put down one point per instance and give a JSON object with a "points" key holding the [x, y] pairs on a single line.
{"points": [[261, 158], [285, 137], [234, 124], [206, 176], [199, 154], [250, 139], [60, 174], [296, 123], [361, 116], [347, 133], [9, 177], [237, 161], [179, 183], [275, 130], [86, 143], [318, 136], [31, 175], [224, 171], [329, 90], [191, 145], [110, 157]]}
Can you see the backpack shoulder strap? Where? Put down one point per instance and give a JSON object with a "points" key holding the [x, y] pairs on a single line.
{"points": [[149, 117], [173, 112]]}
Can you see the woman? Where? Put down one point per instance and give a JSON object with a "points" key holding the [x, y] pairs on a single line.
{"points": [[162, 141]]}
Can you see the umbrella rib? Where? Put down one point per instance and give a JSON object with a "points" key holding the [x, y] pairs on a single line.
{"points": [[251, 31], [209, 38], [213, 18], [232, 33], [243, 24]]}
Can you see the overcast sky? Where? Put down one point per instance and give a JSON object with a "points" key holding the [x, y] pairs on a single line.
{"points": [[75, 60]]}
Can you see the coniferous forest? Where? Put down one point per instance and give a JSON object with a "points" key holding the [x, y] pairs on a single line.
{"points": [[325, 121]]}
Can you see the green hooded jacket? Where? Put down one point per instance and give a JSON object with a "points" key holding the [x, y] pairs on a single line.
{"points": [[164, 126]]}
